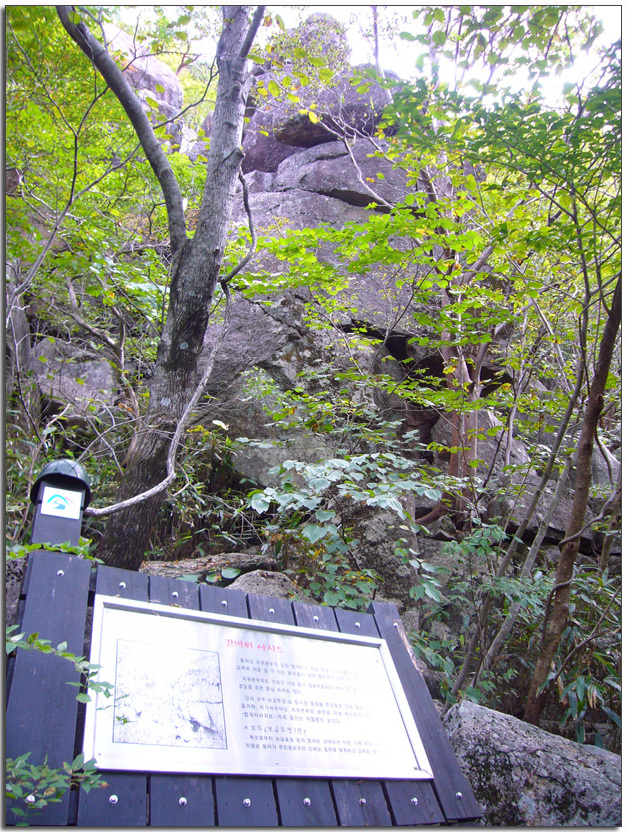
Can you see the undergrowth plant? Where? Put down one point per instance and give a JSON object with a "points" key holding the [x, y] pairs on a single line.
{"points": [[306, 522]]}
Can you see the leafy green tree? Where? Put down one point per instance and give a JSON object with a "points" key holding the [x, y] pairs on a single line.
{"points": [[514, 221], [195, 268], [566, 160]]}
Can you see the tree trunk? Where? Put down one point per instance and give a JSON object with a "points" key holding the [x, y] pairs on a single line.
{"points": [[569, 547], [196, 266]]}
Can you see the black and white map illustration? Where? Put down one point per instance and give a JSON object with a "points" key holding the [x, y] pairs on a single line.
{"points": [[168, 696]]}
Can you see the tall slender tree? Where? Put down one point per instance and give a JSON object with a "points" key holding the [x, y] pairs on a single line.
{"points": [[196, 263]]}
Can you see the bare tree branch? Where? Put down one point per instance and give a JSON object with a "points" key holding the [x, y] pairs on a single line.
{"points": [[133, 108]]}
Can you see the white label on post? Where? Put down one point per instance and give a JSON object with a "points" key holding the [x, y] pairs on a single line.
{"points": [[62, 503]]}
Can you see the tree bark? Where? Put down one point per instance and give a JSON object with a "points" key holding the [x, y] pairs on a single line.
{"points": [[195, 270], [569, 547]]}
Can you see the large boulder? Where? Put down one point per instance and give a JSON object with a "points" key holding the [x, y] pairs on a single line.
{"points": [[143, 70], [72, 377], [262, 150], [275, 584], [350, 104], [378, 532], [526, 777], [279, 127], [328, 169], [148, 76]]}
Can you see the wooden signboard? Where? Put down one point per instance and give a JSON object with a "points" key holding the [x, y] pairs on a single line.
{"points": [[44, 718]]}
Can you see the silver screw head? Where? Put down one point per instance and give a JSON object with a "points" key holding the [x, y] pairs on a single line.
{"points": [[175, 595], [357, 624], [307, 801], [60, 573], [182, 801], [271, 611], [113, 799], [396, 624], [316, 618], [246, 801], [458, 795], [224, 603], [122, 584], [414, 800], [362, 801]]}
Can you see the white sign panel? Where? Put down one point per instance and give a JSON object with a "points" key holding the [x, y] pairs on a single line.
{"points": [[203, 693], [61, 503]]}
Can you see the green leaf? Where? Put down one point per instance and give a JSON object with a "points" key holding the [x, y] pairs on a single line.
{"points": [[314, 533], [229, 573], [612, 715], [259, 503]]}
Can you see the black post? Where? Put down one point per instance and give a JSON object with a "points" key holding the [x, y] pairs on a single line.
{"points": [[60, 494]]}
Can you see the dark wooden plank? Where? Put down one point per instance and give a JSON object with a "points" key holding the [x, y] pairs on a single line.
{"points": [[314, 617], [453, 791], [178, 799], [121, 583], [361, 803], [305, 802], [413, 802], [350, 794], [274, 610], [173, 592], [308, 802], [356, 623], [42, 707], [217, 599], [181, 800], [279, 611], [122, 803], [245, 801]]}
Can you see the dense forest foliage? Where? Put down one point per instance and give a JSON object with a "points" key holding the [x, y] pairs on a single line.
{"points": [[505, 254]]}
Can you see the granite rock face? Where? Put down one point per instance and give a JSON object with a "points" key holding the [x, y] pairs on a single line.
{"points": [[524, 776], [143, 70], [149, 77], [209, 565], [274, 584], [72, 377]]}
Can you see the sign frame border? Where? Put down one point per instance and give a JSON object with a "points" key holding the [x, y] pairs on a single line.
{"points": [[97, 701]]}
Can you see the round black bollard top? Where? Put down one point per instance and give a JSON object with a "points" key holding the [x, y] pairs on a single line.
{"points": [[63, 472]]}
